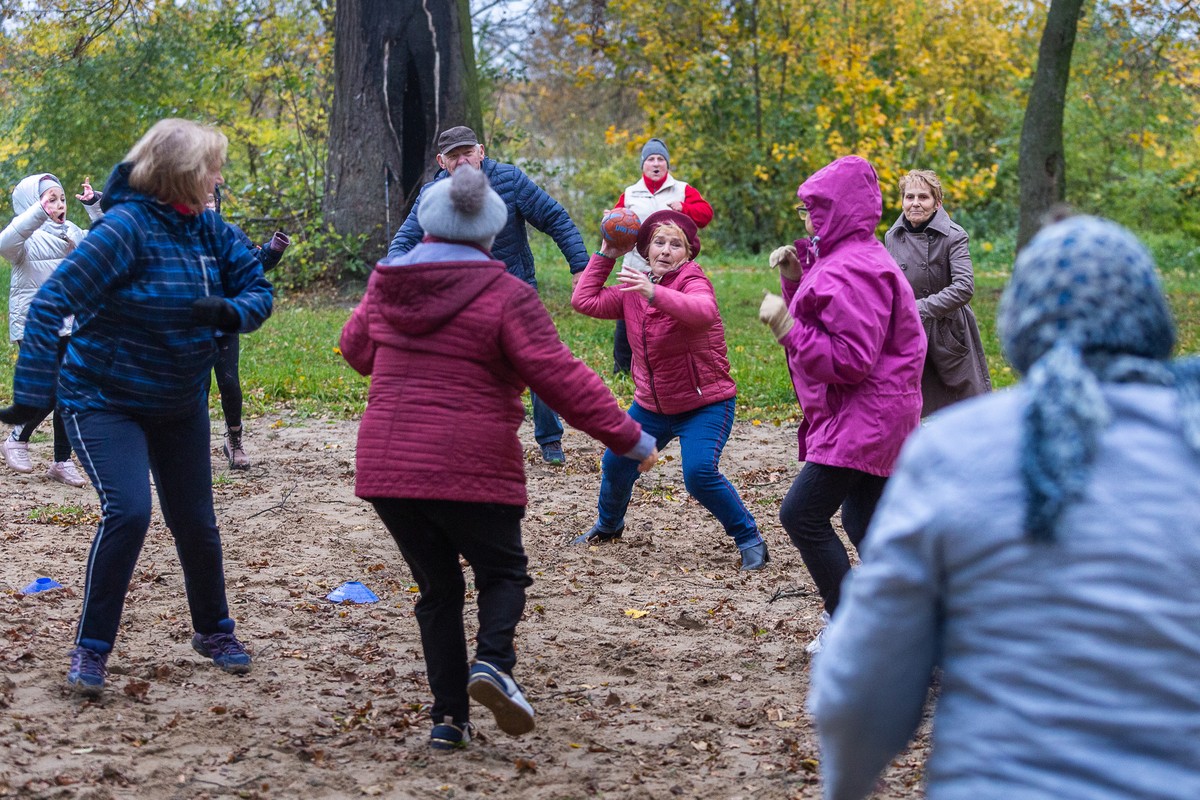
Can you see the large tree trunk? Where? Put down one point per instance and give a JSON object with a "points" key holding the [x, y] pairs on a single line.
{"points": [[404, 70], [1042, 165]]}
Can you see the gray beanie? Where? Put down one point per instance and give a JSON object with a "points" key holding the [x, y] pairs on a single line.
{"points": [[655, 147], [46, 181], [463, 208]]}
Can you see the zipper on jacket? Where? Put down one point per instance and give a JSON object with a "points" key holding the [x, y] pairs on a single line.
{"points": [[695, 373]]}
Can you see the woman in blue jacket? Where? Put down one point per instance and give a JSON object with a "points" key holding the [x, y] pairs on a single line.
{"points": [[149, 286]]}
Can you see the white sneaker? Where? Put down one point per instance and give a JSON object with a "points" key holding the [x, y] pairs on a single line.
{"points": [[65, 472], [814, 647], [16, 455]]}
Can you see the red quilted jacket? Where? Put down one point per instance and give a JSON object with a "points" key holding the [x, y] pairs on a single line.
{"points": [[449, 347], [678, 341]]}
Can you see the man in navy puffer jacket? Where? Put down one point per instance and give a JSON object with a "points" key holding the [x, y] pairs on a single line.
{"points": [[527, 202]]}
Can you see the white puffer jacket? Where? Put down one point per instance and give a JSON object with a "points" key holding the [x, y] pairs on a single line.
{"points": [[35, 245]]}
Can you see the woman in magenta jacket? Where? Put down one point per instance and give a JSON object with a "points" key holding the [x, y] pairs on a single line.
{"points": [[680, 374], [855, 349], [450, 340]]}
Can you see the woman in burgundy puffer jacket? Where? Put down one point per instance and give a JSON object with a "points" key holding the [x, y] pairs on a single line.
{"points": [[451, 340], [680, 371]]}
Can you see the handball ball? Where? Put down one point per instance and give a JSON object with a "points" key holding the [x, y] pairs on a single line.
{"points": [[620, 226]]}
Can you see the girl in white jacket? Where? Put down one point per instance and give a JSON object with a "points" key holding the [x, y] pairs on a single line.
{"points": [[35, 242]]}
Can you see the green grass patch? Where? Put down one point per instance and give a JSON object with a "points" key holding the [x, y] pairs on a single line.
{"points": [[64, 515]]}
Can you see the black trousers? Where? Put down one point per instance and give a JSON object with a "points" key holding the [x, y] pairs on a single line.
{"points": [[432, 534], [807, 516], [229, 383], [622, 352], [62, 443]]}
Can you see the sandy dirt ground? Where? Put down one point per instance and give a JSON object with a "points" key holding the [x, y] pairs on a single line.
{"points": [[655, 667]]}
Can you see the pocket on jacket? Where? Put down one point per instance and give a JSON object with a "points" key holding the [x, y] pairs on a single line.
{"points": [[951, 356]]}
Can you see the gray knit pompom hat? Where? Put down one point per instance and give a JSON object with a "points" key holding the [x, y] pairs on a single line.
{"points": [[1084, 306], [463, 208]]}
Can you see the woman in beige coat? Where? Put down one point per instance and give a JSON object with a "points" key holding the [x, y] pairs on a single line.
{"points": [[931, 251]]}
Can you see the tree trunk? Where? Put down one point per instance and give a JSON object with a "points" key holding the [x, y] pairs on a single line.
{"points": [[1041, 168], [404, 70]]}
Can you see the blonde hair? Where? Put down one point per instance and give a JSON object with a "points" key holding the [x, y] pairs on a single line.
{"points": [[926, 176], [671, 227], [175, 160]]}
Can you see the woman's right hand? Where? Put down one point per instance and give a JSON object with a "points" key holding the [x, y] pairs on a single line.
{"points": [[786, 261], [648, 462]]}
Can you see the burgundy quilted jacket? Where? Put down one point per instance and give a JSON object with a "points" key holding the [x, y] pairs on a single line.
{"points": [[679, 358], [449, 347]]}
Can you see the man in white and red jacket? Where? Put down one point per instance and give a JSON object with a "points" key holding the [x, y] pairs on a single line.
{"points": [[656, 190]]}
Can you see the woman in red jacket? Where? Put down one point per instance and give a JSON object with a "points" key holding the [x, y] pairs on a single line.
{"points": [[680, 374], [450, 340]]}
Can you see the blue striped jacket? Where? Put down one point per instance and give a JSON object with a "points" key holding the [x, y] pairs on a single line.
{"points": [[131, 284]]}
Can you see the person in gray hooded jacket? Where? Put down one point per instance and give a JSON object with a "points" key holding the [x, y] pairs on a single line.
{"points": [[1039, 546]]}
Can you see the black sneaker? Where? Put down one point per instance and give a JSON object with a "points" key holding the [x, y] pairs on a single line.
{"points": [[552, 453]]}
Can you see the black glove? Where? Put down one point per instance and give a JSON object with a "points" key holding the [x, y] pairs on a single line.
{"points": [[20, 414], [217, 312]]}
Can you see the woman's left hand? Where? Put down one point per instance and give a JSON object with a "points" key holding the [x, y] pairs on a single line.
{"points": [[634, 280]]}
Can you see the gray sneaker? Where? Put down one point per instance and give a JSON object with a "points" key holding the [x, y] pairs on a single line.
{"points": [[65, 472], [16, 455]]}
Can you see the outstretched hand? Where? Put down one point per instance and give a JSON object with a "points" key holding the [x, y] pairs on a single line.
{"points": [[88, 194], [20, 414], [648, 461]]}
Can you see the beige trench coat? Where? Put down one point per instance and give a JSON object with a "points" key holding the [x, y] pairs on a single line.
{"points": [[937, 264]]}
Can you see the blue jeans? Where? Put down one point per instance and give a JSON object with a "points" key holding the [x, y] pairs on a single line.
{"points": [[120, 452], [807, 513], [431, 535], [547, 427], [702, 435]]}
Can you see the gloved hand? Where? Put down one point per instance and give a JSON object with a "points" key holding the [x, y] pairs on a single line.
{"points": [[217, 312], [774, 313], [785, 260], [20, 414], [279, 242]]}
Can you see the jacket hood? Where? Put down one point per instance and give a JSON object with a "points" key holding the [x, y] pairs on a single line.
{"points": [[418, 299], [117, 190], [26, 194], [844, 201]]}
